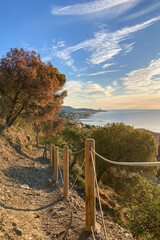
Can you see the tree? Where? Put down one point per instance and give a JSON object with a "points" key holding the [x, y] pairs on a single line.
{"points": [[29, 88], [122, 143], [49, 128], [143, 215], [75, 138]]}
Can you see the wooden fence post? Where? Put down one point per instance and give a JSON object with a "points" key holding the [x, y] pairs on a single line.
{"points": [[52, 159], [45, 150], [90, 196], [51, 152], [56, 163], [65, 171]]}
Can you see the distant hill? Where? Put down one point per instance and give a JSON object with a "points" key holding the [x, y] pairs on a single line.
{"points": [[71, 109]]}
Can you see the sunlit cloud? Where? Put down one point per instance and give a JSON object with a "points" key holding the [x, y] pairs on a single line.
{"points": [[142, 101], [115, 83], [85, 89], [90, 94], [143, 80], [80, 9]]}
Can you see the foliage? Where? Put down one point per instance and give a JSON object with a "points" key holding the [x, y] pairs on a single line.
{"points": [[49, 128], [122, 143], [29, 88], [75, 137], [143, 214], [56, 140]]}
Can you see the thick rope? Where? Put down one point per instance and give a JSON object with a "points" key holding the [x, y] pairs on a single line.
{"points": [[79, 151], [135, 164], [98, 195], [77, 177], [93, 234]]}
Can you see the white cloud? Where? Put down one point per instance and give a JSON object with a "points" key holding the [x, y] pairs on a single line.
{"points": [[82, 93], [61, 43], [128, 47], [90, 94], [96, 73], [27, 47], [124, 65], [61, 54], [116, 6], [83, 89], [144, 80], [115, 83], [138, 14], [104, 46], [107, 65]]}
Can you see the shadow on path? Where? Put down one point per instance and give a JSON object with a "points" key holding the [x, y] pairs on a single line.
{"points": [[84, 235], [36, 178], [31, 210], [42, 160]]}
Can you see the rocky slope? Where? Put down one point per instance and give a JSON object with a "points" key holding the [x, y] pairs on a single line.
{"points": [[32, 207]]}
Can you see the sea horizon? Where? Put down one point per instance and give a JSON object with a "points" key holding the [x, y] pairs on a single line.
{"points": [[148, 119]]}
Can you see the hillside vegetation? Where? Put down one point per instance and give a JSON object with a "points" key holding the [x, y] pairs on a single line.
{"points": [[32, 206]]}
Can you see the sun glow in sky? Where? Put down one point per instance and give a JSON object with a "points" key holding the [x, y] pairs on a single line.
{"points": [[109, 50]]}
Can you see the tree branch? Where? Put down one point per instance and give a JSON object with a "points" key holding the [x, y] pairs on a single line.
{"points": [[6, 94]]}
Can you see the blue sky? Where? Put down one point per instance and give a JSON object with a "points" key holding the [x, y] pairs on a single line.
{"points": [[109, 50]]}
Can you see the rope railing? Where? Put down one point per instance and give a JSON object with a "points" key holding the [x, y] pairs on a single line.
{"points": [[78, 151], [98, 195], [135, 164], [93, 234], [77, 177], [90, 179]]}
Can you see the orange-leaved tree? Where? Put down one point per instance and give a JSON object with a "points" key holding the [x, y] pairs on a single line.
{"points": [[29, 88], [49, 128]]}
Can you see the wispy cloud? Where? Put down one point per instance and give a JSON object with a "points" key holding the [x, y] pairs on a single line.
{"points": [[104, 46], [107, 65], [27, 47], [144, 80], [63, 54], [128, 47], [153, 6], [97, 73], [94, 7]]}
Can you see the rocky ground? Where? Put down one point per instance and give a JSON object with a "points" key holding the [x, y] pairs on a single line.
{"points": [[32, 206]]}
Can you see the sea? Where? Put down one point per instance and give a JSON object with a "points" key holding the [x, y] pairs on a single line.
{"points": [[141, 118]]}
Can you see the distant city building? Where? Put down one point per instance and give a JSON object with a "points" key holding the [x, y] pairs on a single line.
{"points": [[79, 125]]}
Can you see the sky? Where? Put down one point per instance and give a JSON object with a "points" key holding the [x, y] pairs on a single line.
{"points": [[109, 50]]}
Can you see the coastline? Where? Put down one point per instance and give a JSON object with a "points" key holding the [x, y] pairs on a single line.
{"points": [[139, 119]]}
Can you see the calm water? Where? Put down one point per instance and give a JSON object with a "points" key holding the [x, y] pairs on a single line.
{"points": [[148, 119]]}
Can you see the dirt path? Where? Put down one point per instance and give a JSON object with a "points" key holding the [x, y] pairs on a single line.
{"points": [[32, 207]]}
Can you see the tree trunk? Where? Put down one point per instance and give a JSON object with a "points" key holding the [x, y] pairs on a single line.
{"points": [[4, 127], [37, 139]]}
